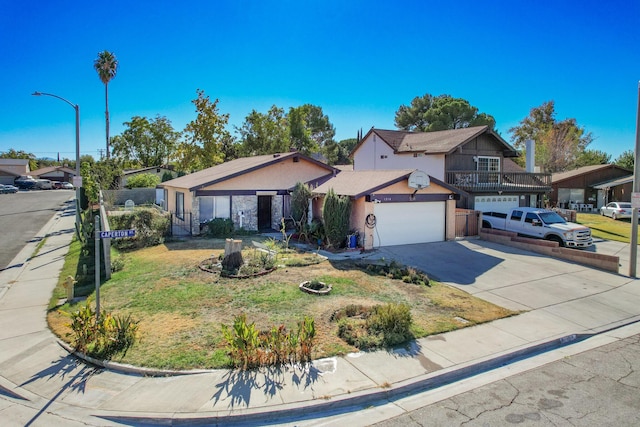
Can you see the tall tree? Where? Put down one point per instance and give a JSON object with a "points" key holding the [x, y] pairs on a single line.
{"points": [[310, 130], [106, 65], [345, 147], [592, 157], [626, 160], [206, 140], [432, 113], [264, 133], [146, 142], [559, 144]]}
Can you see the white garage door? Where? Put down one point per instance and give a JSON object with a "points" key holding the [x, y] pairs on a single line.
{"points": [[405, 223], [496, 203]]}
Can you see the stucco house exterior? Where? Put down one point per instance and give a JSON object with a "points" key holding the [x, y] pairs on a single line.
{"points": [[254, 192], [475, 160], [10, 169], [388, 210]]}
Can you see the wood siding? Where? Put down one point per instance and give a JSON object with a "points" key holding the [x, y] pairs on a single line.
{"points": [[587, 180]]}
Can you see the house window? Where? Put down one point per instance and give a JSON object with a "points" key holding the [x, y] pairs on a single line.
{"points": [[214, 207], [489, 170], [179, 205]]}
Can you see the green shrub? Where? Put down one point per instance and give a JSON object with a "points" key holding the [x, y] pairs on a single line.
{"points": [[143, 180], [336, 213], [300, 197], [372, 327], [151, 227], [104, 337], [166, 176], [248, 348], [219, 227]]}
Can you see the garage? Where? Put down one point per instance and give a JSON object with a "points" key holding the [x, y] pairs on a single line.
{"points": [[406, 223], [496, 203]]}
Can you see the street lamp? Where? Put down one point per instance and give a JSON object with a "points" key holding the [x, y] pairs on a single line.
{"points": [[78, 179]]}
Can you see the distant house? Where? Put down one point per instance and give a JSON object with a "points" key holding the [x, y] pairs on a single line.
{"points": [[616, 190], [159, 171], [387, 209], [577, 187], [254, 192], [475, 160], [18, 166], [54, 173], [7, 176]]}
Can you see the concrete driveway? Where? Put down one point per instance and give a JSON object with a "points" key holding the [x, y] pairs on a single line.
{"points": [[510, 277]]}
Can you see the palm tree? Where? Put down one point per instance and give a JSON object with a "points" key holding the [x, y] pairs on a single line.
{"points": [[106, 65]]}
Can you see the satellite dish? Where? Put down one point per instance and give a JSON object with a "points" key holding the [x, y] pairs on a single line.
{"points": [[419, 180]]}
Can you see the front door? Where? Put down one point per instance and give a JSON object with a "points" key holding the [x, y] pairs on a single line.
{"points": [[264, 213]]}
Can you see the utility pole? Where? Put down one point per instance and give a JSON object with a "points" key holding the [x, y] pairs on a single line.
{"points": [[636, 188]]}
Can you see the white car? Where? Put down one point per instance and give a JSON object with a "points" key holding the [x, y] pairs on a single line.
{"points": [[617, 210]]}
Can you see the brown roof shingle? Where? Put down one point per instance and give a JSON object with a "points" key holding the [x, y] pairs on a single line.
{"points": [[232, 169], [438, 142], [357, 183]]}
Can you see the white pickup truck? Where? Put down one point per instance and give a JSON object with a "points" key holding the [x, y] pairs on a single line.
{"points": [[540, 223]]}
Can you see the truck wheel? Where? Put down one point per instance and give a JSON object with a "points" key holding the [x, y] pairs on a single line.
{"points": [[557, 239], [486, 224]]}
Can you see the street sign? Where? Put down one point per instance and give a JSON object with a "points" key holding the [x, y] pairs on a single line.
{"points": [[635, 200], [116, 234]]}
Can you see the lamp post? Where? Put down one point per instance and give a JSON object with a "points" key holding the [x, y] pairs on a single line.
{"points": [[78, 178]]}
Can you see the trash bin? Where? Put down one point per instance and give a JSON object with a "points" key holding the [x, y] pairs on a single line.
{"points": [[353, 240]]}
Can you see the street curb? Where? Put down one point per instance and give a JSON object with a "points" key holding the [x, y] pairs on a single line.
{"points": [[366, 398]]}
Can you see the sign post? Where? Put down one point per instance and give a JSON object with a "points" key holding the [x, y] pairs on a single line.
{"points": [[112, 234], [97, 267]]}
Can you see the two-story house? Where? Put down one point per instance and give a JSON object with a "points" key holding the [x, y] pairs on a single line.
{"points": [[476, 160]]}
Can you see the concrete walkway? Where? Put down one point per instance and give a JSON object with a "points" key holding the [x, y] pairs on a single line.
{"points": [[564, 303]]}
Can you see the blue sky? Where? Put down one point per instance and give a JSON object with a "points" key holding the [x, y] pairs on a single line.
{"points": [[358, 60]]}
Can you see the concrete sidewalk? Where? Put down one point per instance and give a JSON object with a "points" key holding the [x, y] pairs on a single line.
{"points": [[41, 384]]}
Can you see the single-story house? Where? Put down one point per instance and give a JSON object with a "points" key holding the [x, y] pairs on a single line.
{"points": [[576, 187], [10, 169], [617, 190], [254, 192], [159, 171], [7, 177], [54, 173], [388, 208]]}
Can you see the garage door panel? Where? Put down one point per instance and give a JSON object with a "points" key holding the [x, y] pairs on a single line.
{"points": [[496, 203], [407, 223]]}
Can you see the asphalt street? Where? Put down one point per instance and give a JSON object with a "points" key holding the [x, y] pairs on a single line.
{"points": [[598, 387], [23, 214]]}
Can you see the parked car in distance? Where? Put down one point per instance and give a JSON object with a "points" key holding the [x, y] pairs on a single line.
{"points": [[56, 185], [67, 186], [617, 210], [44, 184], [25, 182], [7, 188]]}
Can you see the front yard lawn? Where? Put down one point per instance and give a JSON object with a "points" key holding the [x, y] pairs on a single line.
{"points": [[181, 307], [604, 227]]}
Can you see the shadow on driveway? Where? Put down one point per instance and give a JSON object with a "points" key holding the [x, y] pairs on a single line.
{"points": [[457, 262]]}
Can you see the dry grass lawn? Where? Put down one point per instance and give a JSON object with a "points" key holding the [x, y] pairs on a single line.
{"points": [[181, 307]]}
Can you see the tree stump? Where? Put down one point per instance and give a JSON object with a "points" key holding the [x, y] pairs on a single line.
{"points": [[232, 260]]}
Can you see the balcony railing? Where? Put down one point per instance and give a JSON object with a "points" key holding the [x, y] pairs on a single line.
{"points": [[479, 182]]}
